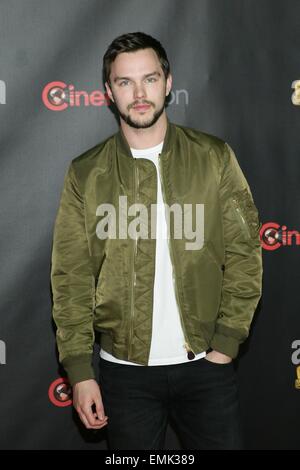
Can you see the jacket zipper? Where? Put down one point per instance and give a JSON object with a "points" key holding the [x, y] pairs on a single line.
{"points": [[186, 344], [241, 217], [134, 251]]}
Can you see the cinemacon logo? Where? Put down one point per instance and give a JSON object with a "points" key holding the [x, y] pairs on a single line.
{"points": [[58, 96], [274, 236], [60, 392]]}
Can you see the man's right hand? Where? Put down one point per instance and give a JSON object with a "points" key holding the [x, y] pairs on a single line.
{"points": [[85, 395]]}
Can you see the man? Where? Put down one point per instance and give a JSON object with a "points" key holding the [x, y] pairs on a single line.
{"points": [[172, 312]]}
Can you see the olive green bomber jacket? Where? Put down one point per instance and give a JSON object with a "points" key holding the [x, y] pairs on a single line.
{"points": [[106, 284]]}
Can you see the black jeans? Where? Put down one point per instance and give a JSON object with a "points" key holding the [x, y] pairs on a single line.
{"points": [[199, 398]]}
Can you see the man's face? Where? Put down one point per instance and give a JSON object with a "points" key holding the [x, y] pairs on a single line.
{"points": [[138, 87]]}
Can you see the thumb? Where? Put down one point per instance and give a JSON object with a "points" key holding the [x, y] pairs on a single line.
{"points": [[99, 408]]}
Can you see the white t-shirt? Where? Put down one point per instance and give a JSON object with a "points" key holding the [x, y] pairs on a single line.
{"points": [[167, 342]]}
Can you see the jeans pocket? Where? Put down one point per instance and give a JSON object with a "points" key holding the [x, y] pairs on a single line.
{"points": [[218, 364]]}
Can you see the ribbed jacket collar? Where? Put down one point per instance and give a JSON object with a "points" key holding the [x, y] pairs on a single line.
{"points": [[124, 148]]}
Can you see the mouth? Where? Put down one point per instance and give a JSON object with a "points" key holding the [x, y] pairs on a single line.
{"points": [[142, 107]]}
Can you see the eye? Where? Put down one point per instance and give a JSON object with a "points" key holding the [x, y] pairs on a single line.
{"points": [[151, 79], [124, 82]]}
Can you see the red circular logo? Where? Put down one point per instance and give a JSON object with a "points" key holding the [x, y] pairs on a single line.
{"points": [[60, 392]]}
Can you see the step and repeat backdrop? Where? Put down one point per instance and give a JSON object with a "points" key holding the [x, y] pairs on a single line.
{"points": [[236, 74]]}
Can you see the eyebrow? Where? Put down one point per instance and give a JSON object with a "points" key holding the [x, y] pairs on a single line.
{"points": [[145, 76]]}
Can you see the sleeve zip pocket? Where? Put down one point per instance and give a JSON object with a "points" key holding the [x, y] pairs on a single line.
{"points": [[246, 213]]}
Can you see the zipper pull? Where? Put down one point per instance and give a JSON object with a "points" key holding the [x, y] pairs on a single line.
{"points": [[190, 353]]}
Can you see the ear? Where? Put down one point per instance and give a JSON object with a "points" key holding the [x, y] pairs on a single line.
{"points": [[108, 90], [169, 84]]}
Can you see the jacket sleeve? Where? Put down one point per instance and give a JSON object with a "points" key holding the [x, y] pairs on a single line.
{"points": [[243, 270], [73, 284]]}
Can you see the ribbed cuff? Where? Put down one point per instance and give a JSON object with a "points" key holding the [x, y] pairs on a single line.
{"points": [[225, 344], [79, 368]]}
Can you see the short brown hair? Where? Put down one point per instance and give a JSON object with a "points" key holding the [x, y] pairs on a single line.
{"points": [[132, 42]]}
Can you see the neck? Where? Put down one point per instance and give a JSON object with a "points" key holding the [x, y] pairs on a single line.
{"points": [[145, 138]]}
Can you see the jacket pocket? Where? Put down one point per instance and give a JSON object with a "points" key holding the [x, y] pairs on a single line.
{"points": [[100, 285], [246, 213], [212, 254]]}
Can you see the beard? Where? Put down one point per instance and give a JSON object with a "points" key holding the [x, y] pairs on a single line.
{"points": [[141, 125]]}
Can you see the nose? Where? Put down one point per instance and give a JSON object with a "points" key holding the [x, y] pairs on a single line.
{"points": [[139, 91]]}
